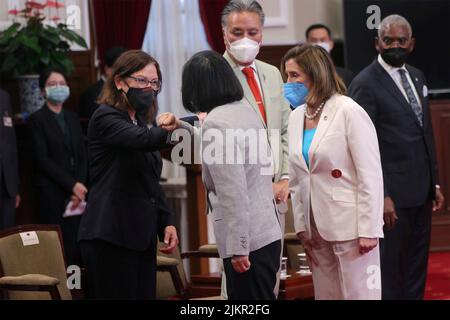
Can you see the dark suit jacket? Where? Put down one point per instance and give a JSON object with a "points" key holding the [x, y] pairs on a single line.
{"points": [[56, 164], [88, 104], [126, 205], [407, 150], [9, 163]]}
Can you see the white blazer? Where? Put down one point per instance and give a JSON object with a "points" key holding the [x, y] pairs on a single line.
{"points": [[344, 184]]}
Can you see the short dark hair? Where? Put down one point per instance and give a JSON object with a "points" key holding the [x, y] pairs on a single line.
{"points": [[112, 54], [46, 73], [317, 26], [209, 82]]}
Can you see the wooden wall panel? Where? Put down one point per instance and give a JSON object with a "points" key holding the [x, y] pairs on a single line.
{"points": [[440, 113]]}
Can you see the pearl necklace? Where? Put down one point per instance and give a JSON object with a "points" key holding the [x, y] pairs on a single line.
{"points": [[316, 113]]}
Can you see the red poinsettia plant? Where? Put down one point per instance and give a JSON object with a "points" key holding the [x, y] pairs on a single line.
{"points": [[27, 48]]}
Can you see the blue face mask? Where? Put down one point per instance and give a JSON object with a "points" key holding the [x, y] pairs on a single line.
{"points": [[57, 94], [295, 93]]}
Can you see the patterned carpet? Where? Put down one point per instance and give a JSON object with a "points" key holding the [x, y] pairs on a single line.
{"points": [[438, 282]]}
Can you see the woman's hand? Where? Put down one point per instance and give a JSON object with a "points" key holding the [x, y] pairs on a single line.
{"points": [[17, 202], [241, 264], [367, 244], [168, 121], [309, 245], [80, 191], [75, 202], [281, 191], [170, 239]]}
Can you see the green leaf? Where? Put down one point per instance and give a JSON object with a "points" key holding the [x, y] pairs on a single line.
{"points": [[6, 35], [45, 57], [9, 63], [31, 42], [49, 36]]}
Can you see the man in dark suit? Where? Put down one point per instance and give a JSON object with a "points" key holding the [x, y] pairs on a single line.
{"points": [[88, 100], [320, 34], [9, 173], [395, 96]]}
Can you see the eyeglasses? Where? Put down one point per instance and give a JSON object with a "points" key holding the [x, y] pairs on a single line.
{"points": [[144, 83]]}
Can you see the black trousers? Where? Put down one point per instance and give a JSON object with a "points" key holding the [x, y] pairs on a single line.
{"points": [[116, 273], [404, 254], [51, 202], [7, 215], [259, 281]]}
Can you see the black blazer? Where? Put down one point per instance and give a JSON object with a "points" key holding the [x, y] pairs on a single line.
{"points": [[9, 172], [407, 150], [55, 164], [126, 204]]}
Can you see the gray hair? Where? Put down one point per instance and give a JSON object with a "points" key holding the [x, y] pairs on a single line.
{"points": [[242, 6], [394, 20]]}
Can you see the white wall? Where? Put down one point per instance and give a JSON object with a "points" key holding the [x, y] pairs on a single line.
{"points": [[287, 20]]}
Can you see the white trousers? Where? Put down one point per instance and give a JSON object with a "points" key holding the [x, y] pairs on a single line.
{"points": [[343, 273]]}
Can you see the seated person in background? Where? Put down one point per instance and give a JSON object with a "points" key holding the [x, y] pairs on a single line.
{"points": [[60, 160], [88, 100], [320, 34]]}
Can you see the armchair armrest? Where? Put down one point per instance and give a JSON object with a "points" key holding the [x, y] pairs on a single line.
{"points": [[31, 282]]}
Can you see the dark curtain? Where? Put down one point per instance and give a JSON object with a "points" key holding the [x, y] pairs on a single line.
{"points": [[211, 11], [120, 23]]}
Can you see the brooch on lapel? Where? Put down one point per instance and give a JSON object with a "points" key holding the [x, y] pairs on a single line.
{"points": [[336, 173]]}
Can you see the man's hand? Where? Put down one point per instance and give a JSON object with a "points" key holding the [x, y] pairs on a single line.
{"points": [[79, 190], [309, 245], [240, 264], [367, 244], [439, 202], [17, 202], [390, 216], [168, 121], [170, 239], [281, 191]]}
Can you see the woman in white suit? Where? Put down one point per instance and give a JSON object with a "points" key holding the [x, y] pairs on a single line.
{"points": [[336, 180]]}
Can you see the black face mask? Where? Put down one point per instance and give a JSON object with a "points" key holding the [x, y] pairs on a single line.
{"points": [[141, 99], [395, 57]]}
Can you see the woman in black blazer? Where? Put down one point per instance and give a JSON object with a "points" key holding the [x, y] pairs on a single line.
{"points": [[127, 208], [60, 160]]}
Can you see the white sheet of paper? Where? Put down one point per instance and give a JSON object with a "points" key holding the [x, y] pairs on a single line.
{"points": [[77, 212], [29, 238]]}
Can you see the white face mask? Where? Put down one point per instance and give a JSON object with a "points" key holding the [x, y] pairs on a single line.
{"points": [[325, 45], [244, 50]]}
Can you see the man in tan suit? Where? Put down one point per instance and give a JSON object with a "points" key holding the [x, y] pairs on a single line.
{"points": [[242, 22]]}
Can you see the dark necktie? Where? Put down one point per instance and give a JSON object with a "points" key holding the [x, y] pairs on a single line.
{"points": [[411, 96]]}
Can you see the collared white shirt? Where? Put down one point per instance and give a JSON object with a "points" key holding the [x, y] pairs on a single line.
{"points": [[395, 75]]}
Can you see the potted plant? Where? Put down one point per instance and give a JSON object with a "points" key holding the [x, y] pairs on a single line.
{"points": [[28, 48]]}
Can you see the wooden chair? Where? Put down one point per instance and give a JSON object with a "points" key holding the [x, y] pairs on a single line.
{"points": [[33, 272], [172, 282]]}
